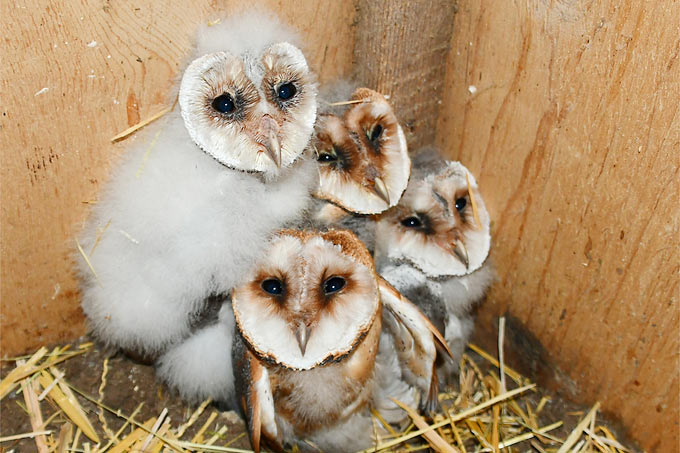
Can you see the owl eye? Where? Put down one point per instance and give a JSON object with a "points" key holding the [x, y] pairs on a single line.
{"points": [[461, 203], [412, 222], [326, 157], [272, 286], [375, 132], [223, 103], [286, 91], [333, 285]]}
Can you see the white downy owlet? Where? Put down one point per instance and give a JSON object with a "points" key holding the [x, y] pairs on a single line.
{"points": [[196, 200], [433, 247], [321, 340]]}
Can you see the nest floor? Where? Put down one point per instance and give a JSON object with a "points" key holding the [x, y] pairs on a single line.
{"points": [[79, 398]]}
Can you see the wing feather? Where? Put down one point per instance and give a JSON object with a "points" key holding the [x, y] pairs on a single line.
{"points": [[416, 340], [257, 402]]}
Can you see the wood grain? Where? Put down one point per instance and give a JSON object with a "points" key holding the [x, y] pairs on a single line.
{"points": [[568, 112], [400, 50], [74, 74]]}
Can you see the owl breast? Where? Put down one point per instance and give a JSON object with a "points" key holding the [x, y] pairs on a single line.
{"points": [[323, 396]]}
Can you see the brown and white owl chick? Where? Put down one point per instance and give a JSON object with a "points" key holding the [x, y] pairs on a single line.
{"points": [[363, 157], [433, 247], [308, 353]]}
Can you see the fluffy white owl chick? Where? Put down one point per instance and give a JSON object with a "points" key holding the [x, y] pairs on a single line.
{"points": [[309, 350], [433, 247], [198, 195]]}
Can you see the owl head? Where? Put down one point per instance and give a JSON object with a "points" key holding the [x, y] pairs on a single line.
{"points": [[441, 225], [249, 98], [310, 301], [363, 158]]}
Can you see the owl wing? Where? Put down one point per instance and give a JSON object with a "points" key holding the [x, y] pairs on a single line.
{"points": [[255, 398], [416, 340]]}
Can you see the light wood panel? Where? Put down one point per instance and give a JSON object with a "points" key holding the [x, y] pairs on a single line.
{"points": [[568, 113], [400, 50], [73, 74]]}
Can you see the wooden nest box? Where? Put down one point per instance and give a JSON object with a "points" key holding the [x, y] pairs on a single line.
{"points": [[567, 113]]}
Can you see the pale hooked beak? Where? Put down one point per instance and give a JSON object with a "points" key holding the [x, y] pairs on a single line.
{"points": [[268, 137], [380, 189], [302, 336], [461, 252], [457, 248]]}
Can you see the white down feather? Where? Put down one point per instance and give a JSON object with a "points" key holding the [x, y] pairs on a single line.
{"points": [[180, 227]]}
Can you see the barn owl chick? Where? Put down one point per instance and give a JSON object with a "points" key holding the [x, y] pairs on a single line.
{"points": [[433, 247], [363, 158], [310, 344], [198, 196]]}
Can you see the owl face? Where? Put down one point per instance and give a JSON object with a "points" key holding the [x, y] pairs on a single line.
{"points": [[434, 226], [363, 158], [310, 301], [250, 112]]}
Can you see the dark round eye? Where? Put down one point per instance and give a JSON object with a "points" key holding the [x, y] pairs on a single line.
{"points": [[223, 103], [273, 286], [326, 157], [333, 285], [461, 203], [286, 91], [375, 133], [412, 222]]}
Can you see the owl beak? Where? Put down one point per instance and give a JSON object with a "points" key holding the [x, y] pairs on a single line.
{"points": [[457, 248], [380, 189], [302, 336], [461, 252], [268, 132]]}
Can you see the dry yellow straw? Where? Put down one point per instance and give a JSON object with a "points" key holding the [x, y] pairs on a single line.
{"points": [[169, 443], [68, 403], [155, 428], [20, 372], [525, 436], [102, 386], [199, 435], [33, 406], [197, 413], [501, 337], [203, 447], [514, 375], [65, 435], [355, 101], [475, 213], [136, 435], [100, 234], [453, 419], [132, 129], [431, 436], [122, 428], [576, 433], [30, 435], [219, 434], [87, 260], [611, 437]]}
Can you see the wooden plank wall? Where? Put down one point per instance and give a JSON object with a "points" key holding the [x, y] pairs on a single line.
{"points": [[73, 75], [400, 50], [568, 112]]}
